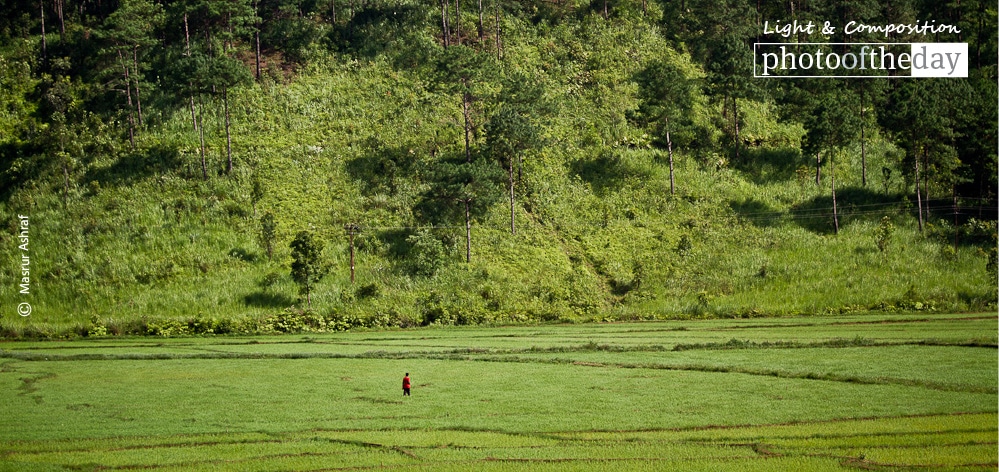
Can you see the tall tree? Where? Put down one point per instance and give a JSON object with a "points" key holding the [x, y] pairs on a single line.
{"points": [[667, 97], [459, 190], [832, 127], [508, 135], [129, 33], [462, 70], [918, 115]]}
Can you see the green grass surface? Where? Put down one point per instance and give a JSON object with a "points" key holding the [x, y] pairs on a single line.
{"points": [[821, 393]]}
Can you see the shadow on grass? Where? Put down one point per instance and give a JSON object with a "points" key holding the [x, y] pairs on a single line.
{"points": [[263, 299], [756, 212], [136, 166], [852, 204], [764, 166], [380, 170], [373, 30], [608, 172]]}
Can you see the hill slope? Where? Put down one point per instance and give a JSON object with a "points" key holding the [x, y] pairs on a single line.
{"points": [[126, 239]]}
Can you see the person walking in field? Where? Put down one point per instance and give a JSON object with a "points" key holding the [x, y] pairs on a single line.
{"points": [[405, 385]]}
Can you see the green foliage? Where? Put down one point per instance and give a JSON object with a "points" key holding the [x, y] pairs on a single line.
{"points": [[268, 231], [307, 267], [362, 118], [426, 254], [883, 233]]}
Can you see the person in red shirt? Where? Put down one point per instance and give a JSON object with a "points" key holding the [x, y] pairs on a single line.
{"points": [[405, 384]]}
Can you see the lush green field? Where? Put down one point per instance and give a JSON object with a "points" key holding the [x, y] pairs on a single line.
{"points": [[819, 393]]}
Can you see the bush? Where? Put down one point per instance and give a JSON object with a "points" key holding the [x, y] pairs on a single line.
{"points": [[426, 253]]}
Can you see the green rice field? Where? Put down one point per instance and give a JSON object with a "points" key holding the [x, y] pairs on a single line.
{"points": [[852, 392]]}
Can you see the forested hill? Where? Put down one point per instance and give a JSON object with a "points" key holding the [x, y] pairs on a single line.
{"points": [[198, 166]]}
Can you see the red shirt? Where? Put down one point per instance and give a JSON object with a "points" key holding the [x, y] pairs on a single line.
{"points": [[405, 382]]}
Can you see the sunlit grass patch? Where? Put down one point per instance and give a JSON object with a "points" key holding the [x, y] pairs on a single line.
{"points": [[930, 456], [572, 397], [434, 438]]}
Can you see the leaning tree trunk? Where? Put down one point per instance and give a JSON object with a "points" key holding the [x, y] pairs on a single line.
{"points": [[513, 228], [228, 135], [128, 93], [919, 197], [818, 168], [201, 134], [256, 35], [135, 77], [863, 139], [468, 230], [735, 119], [65, 176], [832, 179], [187, 52], [669, 150], [41, 8], [468, 127], [926, 181]]}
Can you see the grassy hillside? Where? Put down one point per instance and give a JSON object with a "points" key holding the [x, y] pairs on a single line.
{"points": [[124, 240]]}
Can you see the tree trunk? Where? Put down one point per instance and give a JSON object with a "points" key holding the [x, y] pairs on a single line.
{"points": [[605, 9], [468, 128], [135, 77], [446, 29], [228, 135], [953, 190], [645, 8], [818, 168], [926, 181], [62, 21], [735, 119], [919, 197], [350, 231], [499, 48], [194, 119], [669, 150], [187, 38], [468, 230], [863, 139], [65, 176], [201, 134], [482, 30], [41, 8], [832, 179], [256, 35], [333, 8], [187, 52], [128, 93], [513, 228], [457, 23], [65, 168]]}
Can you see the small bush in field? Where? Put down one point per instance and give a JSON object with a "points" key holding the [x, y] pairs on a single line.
{"points": [[883, 233]]}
